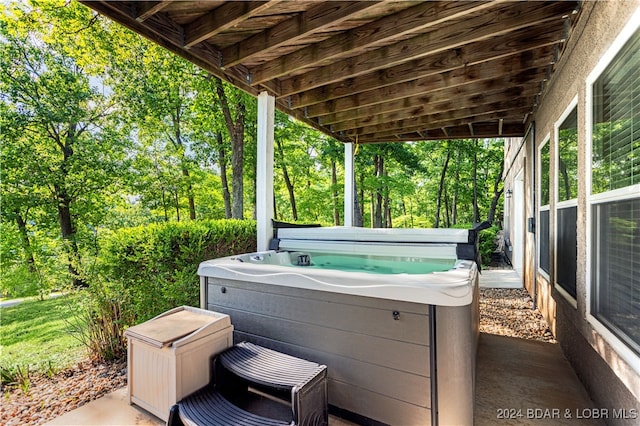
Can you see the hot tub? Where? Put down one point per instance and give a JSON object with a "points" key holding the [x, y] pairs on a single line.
{"points": [[392, 313]]}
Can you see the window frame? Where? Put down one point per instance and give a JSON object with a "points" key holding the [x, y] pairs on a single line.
{"points": [[562, 204], [542, 207], [621, 194]]}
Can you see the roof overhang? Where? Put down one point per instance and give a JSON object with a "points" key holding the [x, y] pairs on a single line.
{"points": [[372, 71]]}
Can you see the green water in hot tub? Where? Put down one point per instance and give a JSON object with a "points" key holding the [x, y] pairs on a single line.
{"points": [[379, 264]]}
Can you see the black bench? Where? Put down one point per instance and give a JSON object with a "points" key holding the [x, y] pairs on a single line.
{"points": [[246, 370]]}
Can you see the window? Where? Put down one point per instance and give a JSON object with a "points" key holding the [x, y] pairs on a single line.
{"points": [[543, 208], [567, 205], [614, 198]]}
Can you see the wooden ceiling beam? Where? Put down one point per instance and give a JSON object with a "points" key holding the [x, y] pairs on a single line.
{"points": [[223, 18], [471, 105], [145, 10], [490, 24], [168, 34], [538, 43], [460, 131], [315, 19], [408, 21], [441, 100], [494, 112], [488, 75]]}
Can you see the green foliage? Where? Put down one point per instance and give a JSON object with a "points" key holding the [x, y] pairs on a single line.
{"points": [[101, 319], [35, 337], [19, 278], [157, 263], [487, 243], [144, 271]]}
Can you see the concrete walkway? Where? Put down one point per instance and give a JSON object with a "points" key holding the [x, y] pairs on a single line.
{"points": [[526, 382], [500, 278], [13, 302]]}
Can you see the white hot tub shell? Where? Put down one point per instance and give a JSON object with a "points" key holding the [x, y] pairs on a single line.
{"points": [[400, 347]]}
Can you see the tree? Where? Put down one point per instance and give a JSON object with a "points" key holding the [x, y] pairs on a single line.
{"points": [[234, 119], [441, 186], [76, 146]]}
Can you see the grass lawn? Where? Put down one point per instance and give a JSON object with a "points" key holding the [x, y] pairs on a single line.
{"points": [[36, 334]]}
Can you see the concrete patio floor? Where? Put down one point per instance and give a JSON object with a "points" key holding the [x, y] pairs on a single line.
{"points": [[114, 409], [518, 382]]}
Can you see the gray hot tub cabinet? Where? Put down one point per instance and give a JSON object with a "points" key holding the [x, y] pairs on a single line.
{"points": [[395, 362]]}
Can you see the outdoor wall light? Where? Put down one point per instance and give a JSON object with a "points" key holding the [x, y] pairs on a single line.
{"points": [[508, 193]]}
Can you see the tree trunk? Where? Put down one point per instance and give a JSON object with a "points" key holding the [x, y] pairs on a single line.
{"points": [[236, 132], [446, 208], [68, 232], [476, 212], [177, 204], [164, 206], [440, 189], [222, 162], [192, 203], [26, 243], [497, 193], [287, 181], [378, 165], [387, 202], [358, 204], [178, 144], [456, 185], [334, 193], [64, 201]]}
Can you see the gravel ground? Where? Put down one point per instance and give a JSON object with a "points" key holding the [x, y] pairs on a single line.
{"points": [[505, 312], [508, 312]]}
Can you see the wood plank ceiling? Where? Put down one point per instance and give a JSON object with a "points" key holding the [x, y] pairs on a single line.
{"points": [[372, 71]]}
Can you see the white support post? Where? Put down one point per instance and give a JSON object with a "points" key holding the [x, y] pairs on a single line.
{"points": [[264, 170], [349, 187]]}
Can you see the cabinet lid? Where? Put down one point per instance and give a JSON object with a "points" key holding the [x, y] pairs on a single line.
{"points": [[173, 325]]}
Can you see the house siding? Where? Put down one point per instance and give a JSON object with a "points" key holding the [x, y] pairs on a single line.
{"points": [[612, 381]]}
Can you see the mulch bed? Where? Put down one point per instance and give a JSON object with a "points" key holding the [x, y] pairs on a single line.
{"points": [[50, 397]]}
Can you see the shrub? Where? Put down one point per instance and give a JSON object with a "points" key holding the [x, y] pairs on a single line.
{"points": [[144, 271], [486, 241]]}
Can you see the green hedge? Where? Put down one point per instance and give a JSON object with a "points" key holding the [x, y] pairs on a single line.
{"points": [[144, 271], [156, 265]]}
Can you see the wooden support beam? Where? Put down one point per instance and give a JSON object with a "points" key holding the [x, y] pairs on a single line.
{"points": [[438, 101], [408, 21], [145, 10], [482, 27], [455, 131], [538, 44], [315, 19], [470, 108], [490, 77], [436, 121], [481, 130], [223, 18]]}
